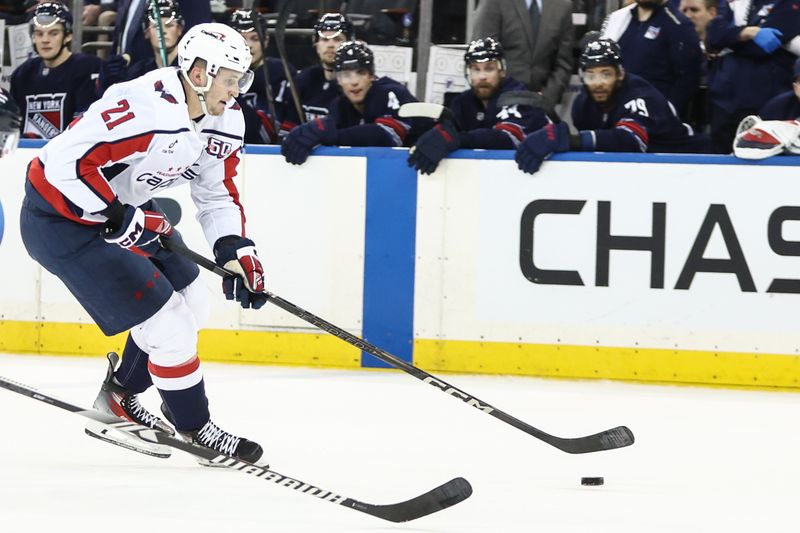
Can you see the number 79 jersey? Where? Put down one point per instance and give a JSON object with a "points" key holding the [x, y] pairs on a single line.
{"points": [[137, 141], [639, 110]]}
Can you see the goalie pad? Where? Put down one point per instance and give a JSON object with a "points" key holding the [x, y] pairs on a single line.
{"points": [[760, 139]]}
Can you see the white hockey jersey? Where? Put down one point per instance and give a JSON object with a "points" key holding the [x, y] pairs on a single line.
{"points": [[137, 141]]}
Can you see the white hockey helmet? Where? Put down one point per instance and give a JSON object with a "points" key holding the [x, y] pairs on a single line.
{"points": [[221, 47]]}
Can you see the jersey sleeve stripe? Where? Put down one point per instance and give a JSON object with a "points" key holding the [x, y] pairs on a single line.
{"points": [[399, 128], [231, 162], [513, 129], [637, 130], [50, 194], [100, 155]]}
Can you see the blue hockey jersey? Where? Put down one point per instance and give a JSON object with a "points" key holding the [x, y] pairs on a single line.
{"points": [[380, 124], [641, 119], [493, 126], [49, 98], [316, 94]]}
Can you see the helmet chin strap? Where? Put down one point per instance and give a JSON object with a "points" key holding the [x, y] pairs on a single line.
{"points": [[200, 91]]}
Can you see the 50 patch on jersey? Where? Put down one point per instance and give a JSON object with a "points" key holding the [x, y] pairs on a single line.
{"points": [[218, 148]]}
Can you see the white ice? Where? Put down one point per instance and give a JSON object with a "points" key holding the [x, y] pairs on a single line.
{"points": [[705, 460]]}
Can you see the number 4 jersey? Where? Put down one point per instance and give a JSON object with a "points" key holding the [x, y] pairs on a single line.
{"points": [[639, 119], [137, 141]]}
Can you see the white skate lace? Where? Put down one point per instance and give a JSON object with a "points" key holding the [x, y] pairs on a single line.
{"points": [[213, 437], [139, 413]]}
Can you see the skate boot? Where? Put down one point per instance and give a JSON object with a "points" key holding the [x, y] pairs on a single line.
{"points": [[117, 400], [212, 437]]}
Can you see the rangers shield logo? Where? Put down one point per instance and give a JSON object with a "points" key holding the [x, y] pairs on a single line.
{"points": [[44, 115]]}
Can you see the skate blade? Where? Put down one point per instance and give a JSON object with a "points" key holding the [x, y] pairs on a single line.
{"points": [[126, 440]]}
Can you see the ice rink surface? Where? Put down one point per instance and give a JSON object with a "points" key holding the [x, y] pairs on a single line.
{"points": [[705, 460]]}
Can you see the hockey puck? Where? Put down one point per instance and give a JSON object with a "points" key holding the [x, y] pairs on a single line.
{"points": [[592, 481]]}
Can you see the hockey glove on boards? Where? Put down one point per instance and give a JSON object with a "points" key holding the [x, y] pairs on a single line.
{"points": [[238, 255], [768, 39], [300, 142], [433, 146], [135, 229], [540, 144]]}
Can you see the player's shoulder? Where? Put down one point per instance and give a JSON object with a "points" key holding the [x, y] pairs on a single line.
{"points": [[229, 124], [637, 87], [156, 98], [386, 84], [511, 84], [308, 74], [28, 68], [85, 62]]}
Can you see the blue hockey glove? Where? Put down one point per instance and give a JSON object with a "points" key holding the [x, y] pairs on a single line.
{"points": [[112, 70], [297, 146], [238, 255], [540, 144], [768, 39], [136, 230], [433, 146]]}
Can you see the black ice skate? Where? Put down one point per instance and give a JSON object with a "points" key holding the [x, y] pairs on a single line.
{"points": [[215, 438], [210, 436], [117, 400]]}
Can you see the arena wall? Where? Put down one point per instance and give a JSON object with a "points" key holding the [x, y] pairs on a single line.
{"points": [[620, 266]]}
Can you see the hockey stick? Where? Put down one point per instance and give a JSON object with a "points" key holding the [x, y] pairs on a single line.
{"points": [[617, 437], [162, 45], [444, 496], [436, 112], [526, 98], [280, 43], [258, 24]]}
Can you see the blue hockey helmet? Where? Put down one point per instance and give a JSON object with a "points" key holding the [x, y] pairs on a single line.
{"points": [[600, 52], [242, 20], [47, 14], [482, 50], [336, 22], [351, 55], [168, 10]]}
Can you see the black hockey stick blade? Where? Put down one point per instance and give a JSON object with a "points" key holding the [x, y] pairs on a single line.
{"points": [[436, 112], [447, 495], [454, 491], [617, 437]]}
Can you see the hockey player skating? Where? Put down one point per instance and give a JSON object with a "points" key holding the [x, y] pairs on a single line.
{"points": [[483, 122], [317, 85], [366, 114], [615, 112], [89, 218], [55, 85]]}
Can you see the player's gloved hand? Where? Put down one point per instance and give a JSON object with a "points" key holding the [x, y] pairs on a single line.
{"points": [[540, 144], [297, 146], [238, 255], [433, 146], [112, 70], [135, 229], [768, 39]]}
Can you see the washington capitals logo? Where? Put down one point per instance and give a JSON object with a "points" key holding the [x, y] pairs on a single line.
{"points": [[215, 34], [159, 87]]}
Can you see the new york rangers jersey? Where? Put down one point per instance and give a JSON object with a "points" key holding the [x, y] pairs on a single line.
{"points": [[316, 94], [381, 106], [49, 98], [137, 141], [493, 126], [641, 119]]}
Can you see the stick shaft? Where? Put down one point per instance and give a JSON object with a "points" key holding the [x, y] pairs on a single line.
{"points": [[610, 439]]}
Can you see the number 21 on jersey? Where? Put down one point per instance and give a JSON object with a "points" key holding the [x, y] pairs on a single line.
{"points": [[113, 117]]}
